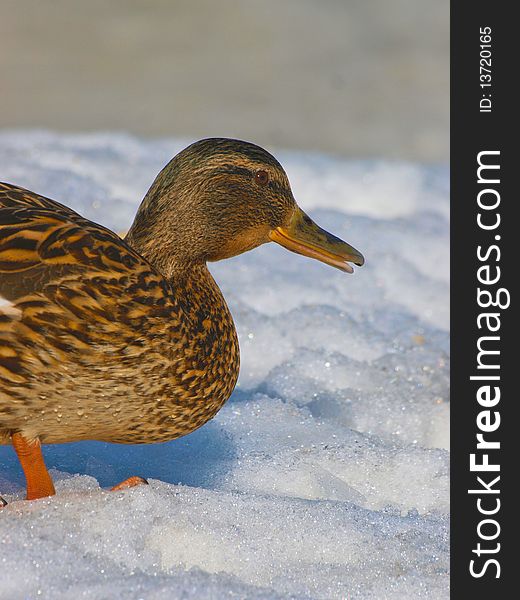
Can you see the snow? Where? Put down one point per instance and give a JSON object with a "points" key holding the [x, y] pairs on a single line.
{"points": [[326, 474]]}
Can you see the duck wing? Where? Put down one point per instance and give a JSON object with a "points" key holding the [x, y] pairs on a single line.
{"points": [[43, 242], [74, 282], [83, 318]]}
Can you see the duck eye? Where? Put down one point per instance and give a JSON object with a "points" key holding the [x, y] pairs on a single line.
{"points": [[262, 177]]}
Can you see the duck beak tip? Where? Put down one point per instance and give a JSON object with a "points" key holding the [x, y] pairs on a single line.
{"points": [[303, 236]]}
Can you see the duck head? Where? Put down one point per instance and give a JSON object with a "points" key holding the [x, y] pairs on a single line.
{"points": [[221, 197]]}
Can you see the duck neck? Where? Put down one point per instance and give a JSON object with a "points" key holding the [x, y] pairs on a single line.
{"points": [[161, 251]]}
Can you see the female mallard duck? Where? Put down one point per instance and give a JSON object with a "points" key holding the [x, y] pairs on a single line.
{"points": [[130, 340]]}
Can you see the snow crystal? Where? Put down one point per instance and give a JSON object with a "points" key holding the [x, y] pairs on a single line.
{"points": [[326, 474]]}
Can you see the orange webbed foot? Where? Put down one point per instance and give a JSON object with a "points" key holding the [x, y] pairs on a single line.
{"points": [[128, 483]]}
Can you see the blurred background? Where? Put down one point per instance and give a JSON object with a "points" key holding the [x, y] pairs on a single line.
{"points": [[359, 78]]}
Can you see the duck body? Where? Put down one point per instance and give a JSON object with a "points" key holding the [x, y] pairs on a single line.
{"points": [[131, 341], [96, 343]]}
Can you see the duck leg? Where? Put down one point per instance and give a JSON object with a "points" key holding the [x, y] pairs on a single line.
{"points": [[39, 482]]}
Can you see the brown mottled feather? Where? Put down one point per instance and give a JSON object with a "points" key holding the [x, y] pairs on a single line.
{"points": [[97, 343]]}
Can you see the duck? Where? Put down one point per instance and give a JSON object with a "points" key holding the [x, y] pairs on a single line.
{"points": [[130, 340]]}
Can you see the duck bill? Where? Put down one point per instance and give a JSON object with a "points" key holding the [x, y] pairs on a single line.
{"points": [[303, 236]]}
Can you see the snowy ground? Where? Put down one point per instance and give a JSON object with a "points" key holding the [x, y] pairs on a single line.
{"points": [[326, 474]]}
